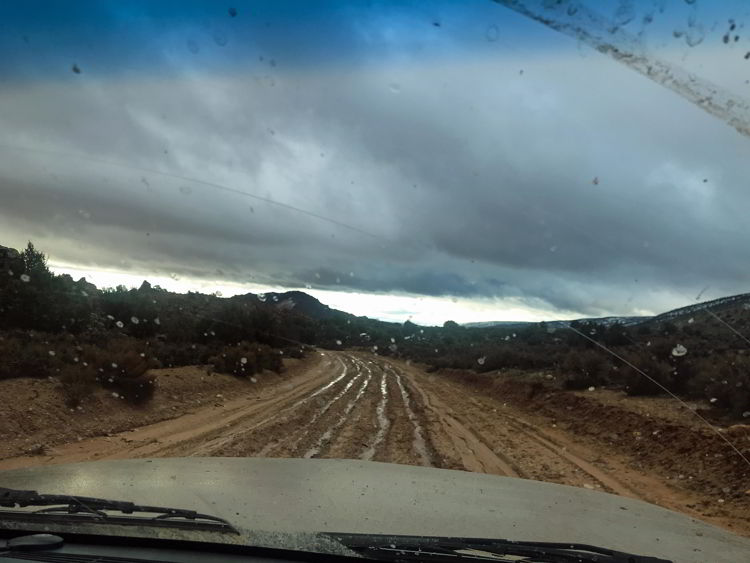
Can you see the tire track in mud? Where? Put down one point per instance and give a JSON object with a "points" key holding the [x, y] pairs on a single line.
{"points": [[383, 423], [290, 441], [325, 439], [460, 445], [420, 442], [240, 440], [527, 449], [537, 435]]}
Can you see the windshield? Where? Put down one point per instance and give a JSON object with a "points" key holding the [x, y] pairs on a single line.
{"points": [[504, 238]]}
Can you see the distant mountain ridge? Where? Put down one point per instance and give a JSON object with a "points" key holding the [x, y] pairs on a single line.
{"points": [[625, 321]]}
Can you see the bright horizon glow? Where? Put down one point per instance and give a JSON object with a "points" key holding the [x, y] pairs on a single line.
{"points": [[398, 308]]}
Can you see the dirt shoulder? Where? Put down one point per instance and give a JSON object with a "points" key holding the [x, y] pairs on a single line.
{"points": [[34, 418], [648, 448]]}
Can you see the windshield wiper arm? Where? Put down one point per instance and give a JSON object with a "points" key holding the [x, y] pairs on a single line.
{"points": [[72, 504], [439, 549]]}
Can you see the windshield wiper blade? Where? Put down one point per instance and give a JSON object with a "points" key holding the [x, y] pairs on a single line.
{"points": [[96, 507], [447, 549]]}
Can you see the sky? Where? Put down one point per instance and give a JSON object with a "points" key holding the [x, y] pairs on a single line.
{"points": [[401, 160]]}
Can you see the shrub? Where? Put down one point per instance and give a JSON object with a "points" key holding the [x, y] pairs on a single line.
{"points": [[235, 360], [638, 384], [246, 359], [174, 355], [121, 366], [725, 381], [294, 352], [268, 358], [78, 382], [583, 369], [27, 358]]}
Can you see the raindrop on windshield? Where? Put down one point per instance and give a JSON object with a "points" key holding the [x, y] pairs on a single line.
{"points": [[119, 324], [625, 13], [243, 360], [134, 320], [25, 278], [51, 353], [679, 350], [220, 38], [338, 343], [492, 34], [262, 297], [481, 360]]}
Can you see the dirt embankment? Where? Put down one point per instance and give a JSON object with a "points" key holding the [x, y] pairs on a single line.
{"points": [[692, 469], [34, 418]]}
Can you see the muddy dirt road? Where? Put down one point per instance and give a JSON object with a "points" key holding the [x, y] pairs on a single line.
{"points": [[361, 406]]}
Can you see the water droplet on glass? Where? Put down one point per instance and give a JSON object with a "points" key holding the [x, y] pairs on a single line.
{"points": [[338, 343], [51, 353], [262, 297], [695, 36], [220, 38], [114, 365], [157, 321], [308, 286], [691, 320], [493, 33], [592, 388], [481, 360], [115, 395], [746, 414], [135, 320], [243, 360], [393, 340], [253, 380], [119, 324], [713, 400], [679, 350], [25, 278], [624, 13], [317, 275]]}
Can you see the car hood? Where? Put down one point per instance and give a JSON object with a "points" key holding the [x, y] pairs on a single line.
{"points": [[296, 496]]}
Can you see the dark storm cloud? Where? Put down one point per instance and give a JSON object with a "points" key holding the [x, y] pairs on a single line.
{"points": [[574, 184]]}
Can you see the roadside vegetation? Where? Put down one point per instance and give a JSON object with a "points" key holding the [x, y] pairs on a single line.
{"points": [[88, 338]]}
